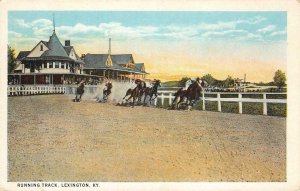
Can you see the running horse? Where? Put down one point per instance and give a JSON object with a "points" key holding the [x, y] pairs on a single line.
{"points": [[192, 94], [79, 92], [152, 91], [137, 92]]}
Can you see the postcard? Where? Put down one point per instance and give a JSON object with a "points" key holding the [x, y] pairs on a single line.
{"points": [[124, 95]]}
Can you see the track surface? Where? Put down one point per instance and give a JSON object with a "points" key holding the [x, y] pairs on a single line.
{"points": [[51, 138]]}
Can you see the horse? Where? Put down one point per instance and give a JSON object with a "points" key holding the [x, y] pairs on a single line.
{"points": [[137, 92], [192, 94], [150, 91], [106, 92], [79, 92], [134, 94]]}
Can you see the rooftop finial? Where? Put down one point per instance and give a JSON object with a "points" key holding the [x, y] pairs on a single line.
{"points": [[53, 22], [109, 48]]}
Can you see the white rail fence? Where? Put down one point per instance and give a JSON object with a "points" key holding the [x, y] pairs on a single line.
{"points": [[18, 90], [169, 95], [163, 95]]}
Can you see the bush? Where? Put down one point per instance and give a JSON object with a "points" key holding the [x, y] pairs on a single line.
{"points": [[211, 105], [253, 96], [230, 107], [277, 109], [229, 95], [253, 108]]}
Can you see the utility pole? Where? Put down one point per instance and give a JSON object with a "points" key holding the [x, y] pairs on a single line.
{"points": [[244, 82]]}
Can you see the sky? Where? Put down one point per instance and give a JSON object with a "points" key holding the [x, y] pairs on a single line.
{"points": [[172, 44]]}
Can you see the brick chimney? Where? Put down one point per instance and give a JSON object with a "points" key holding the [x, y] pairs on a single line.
{"points": [[67, 43]]}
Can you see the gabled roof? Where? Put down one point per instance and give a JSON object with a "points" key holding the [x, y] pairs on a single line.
{"points": [[78, 59], [45, 43], [22, 54], [95, 60], [55, 48], [121, 59], [139, 67], [68, 49], [98, 61]]}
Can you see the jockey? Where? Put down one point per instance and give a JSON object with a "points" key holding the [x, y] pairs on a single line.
{"points": [[107, 90], [199, 82], [79, 92], [187, 84], [152, 83], [140, 84]]}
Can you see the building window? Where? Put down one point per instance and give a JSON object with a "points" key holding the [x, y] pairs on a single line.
{"points": [[42, 47], [62, 65], [50, 64], [56, 64], [45, 64], [67, 66], [47, 80]]}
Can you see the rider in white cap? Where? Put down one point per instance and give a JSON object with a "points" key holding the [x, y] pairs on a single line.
{"points": [[187, 84]]}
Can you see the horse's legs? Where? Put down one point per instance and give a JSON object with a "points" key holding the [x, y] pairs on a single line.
{"points": [[153, 98], [129, 98], [134, 98], [150, 99], [144, 102], [127, 93], [140, 96], [173, 102], [181, 98]]}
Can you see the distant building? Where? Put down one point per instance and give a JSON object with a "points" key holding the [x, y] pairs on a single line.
{"points": [[49, 63], [113, 66]]}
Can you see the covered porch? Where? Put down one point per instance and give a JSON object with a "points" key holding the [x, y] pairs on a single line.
{"points": [[52, 79], [117, 74]]}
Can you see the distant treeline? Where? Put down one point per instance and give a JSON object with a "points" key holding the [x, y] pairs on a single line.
{"points": [[279, 80]]}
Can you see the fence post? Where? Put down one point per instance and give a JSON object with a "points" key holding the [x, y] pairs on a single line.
{"points": [[170, 98], [162, 99], [265, 110], [240, 103], [219, 102], [203, 101]]}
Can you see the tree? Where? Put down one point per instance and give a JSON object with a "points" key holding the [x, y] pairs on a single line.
{"points": [[229, 82], [181, 82], [11, 59], [279, 79], [209, 79]]}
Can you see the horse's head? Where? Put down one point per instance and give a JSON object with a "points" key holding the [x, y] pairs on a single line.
{"points": [[158, 83]]}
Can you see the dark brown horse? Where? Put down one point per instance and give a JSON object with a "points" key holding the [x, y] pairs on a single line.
{"points": [[191, 94], [79, 92], [137, 92], [152, 91]]}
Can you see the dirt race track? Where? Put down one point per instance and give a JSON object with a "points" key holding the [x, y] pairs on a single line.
{"points": [[51, 138]]}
